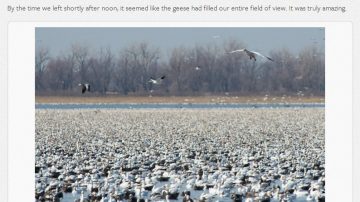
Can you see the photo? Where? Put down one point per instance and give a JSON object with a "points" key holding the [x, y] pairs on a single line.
{"points": [[180, 114]]}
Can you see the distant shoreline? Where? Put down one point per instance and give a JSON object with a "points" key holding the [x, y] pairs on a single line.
{"points": [[178, 99]]}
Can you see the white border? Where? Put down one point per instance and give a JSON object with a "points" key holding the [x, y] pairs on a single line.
{"points": [[338, 100]]}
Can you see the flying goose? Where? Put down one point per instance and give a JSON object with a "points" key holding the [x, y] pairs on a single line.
{"points": [[251, 54], [84, 87], [157, 81]]}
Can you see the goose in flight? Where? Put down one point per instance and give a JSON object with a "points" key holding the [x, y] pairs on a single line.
{"points": [[157, 81], [197, 68], [84, 87], [251, 54]]}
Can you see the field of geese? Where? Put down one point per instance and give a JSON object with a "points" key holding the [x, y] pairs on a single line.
{"points": [[235, 154]]}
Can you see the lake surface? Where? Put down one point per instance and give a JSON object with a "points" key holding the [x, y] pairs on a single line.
{"points": [[176, 105]]}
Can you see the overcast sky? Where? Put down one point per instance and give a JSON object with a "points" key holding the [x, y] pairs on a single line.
{"points": [[59, 40]]}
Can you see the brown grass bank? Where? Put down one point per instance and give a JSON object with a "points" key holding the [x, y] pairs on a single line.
{"points": [[178, 99]]}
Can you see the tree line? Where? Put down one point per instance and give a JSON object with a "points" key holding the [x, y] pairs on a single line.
{"points": [[199, 70]]}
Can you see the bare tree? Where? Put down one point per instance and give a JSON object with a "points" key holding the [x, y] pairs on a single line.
{"points": [[311, 70], [143, 59], [235, 67], [81, 56], [59, 74], [41, 59], [177, 65], [278, 76], [102, 68], [201, 69], [122, 75]]}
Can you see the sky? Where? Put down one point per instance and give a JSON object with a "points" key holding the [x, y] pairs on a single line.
{"points": [[60, 39]]}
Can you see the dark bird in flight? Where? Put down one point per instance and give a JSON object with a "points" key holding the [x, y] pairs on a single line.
{"points": [[252, 54], [84, 87]]}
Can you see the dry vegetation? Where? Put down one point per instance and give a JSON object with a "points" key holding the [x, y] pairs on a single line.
{"points": [[177, 99]]}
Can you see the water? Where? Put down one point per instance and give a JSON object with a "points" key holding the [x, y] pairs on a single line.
{"points": [[177, 105]]}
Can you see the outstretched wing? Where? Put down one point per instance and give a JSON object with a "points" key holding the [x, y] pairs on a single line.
{"points": [[83, 89], [259, 54], [239, 50], [152, 80]]}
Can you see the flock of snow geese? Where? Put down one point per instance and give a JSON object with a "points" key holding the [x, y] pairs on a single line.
{"points": [[267, 155], [85, 87]]}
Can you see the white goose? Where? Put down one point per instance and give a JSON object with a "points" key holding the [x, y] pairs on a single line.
{"points": [[251, 54], [157, 81], [84, 87]]}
